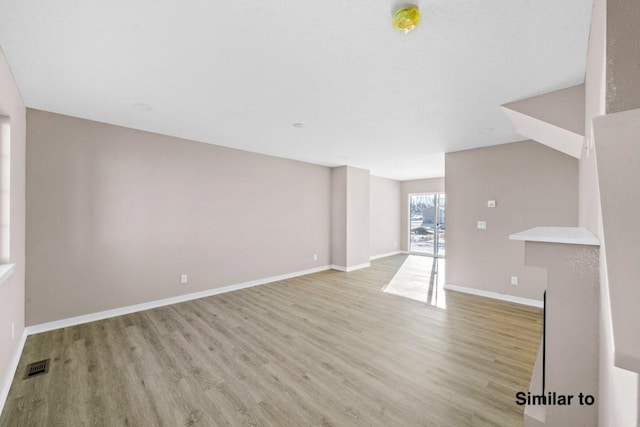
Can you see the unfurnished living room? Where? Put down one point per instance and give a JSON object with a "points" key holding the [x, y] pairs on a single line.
{"points": [[319, 213]]}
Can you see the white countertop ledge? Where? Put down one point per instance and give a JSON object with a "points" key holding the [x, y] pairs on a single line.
{"points": [[5, 271], [567, 235]]}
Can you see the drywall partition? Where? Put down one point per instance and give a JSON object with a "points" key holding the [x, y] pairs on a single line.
{"points": [[116, 215], [570, 258], [339, 216], [416, 186], [384, 216], [533, 185], [358, 189], [555, 119], [12, 288], [350, 218], [618, 160], [623, 55], [612, 49]]}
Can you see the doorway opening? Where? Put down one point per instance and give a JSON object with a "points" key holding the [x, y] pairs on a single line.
{"points": [[427, 224]]}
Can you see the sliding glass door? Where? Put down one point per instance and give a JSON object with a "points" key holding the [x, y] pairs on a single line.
{"points": [[427, 224]]}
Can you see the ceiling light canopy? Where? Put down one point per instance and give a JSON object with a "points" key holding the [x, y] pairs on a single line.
{"points": [[406, 19]]}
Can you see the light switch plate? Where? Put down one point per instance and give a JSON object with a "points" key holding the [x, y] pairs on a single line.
{"points": [[482, 225]]}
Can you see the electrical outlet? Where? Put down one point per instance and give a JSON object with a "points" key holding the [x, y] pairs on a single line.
{"points": [[315, 257], [13, 330], [184, 279], [482, 225], [514, 280], [491, 203]]}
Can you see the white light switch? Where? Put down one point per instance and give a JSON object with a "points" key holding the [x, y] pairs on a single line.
{"points": [[482, 225], [491, 203]]}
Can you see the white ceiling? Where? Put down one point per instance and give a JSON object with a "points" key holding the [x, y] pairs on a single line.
{"points": [[240, 73]]}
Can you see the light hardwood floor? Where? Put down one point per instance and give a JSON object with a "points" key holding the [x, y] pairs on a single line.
{"points": [[324, 349]]}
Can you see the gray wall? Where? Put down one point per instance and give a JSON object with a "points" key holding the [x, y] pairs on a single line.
{"points": [[358, 182], [116, 215], [339, 216], [431, 185], [349, 217], [623, 55], [385, 216], [533, 185], [12, 289]]}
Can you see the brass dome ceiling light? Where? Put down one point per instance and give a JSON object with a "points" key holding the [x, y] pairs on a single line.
{"points": [[406, 18]]}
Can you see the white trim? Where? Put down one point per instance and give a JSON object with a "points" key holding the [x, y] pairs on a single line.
{"points": [[5, 271], [494, 295], [371, 258], [358, 267], [351, 268], [567, 235], [72, 321], [11, 371]]}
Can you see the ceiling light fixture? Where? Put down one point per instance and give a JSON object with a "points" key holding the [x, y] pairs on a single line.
{"points": [[297, 125], [406, 19]]}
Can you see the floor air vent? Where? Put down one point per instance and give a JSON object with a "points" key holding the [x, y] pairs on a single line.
{"points": [[37, 368]]}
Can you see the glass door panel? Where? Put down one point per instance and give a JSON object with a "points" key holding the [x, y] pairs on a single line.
{"points": [[421, 211], [427, 224], [441, 225]]}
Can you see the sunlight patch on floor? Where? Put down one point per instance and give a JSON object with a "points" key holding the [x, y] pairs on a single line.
{"points": [[420, 278]]}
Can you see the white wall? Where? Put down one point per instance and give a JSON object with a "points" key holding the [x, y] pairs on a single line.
{"points": [[12, 290]]}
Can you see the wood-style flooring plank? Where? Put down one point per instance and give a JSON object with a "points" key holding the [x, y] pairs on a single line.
{"points": [[327, 349]]}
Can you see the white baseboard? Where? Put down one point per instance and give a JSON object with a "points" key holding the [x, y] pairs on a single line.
{"points": [[11, 371], [359, 266], [72, 321], [494, 295], [384, 255], [351, 268]]}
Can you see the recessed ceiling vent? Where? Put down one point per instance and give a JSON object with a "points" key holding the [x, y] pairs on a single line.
{"points": [[37, 368]]}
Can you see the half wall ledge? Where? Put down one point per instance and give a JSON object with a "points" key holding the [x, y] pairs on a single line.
{"points": [[569, 364]]}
